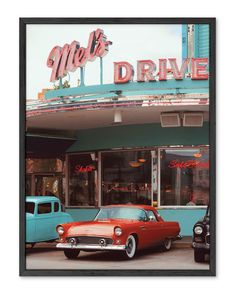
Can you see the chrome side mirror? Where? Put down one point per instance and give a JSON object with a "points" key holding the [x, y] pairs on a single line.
{"points": [[151, 218]]}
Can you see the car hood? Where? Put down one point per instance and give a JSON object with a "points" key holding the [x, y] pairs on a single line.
{"points": [[98, 227]]}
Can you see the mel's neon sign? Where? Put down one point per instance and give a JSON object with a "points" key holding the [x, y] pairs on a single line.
{"points": [[70, 57]]}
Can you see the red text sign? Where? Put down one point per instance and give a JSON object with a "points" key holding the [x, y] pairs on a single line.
{"points": [[188, 164], [83, 169], [146, 70], [70, 57]]}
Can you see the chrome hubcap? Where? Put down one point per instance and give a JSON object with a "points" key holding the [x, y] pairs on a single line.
{"points": [[130, 246], [168, 243]]}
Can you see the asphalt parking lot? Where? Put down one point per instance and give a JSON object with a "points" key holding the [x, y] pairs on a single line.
{"points": [[44, 256]]}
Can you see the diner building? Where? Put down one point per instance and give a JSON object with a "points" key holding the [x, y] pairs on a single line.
{"points": [[139, 142]]}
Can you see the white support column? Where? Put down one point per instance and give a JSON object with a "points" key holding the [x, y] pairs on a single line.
{"points": [[99, 179]]}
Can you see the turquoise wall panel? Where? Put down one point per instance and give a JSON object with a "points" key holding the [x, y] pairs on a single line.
{"points": [[82, 214], [184, 41], [201, 40], [139, 136], [186, 218]]}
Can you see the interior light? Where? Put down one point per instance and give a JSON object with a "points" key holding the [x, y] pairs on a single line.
{"points": [[197, 155], [142, 160], [135, 163], [117, 117]]}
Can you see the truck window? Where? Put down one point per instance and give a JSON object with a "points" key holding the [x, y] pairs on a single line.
{"points": [[44, 208]]}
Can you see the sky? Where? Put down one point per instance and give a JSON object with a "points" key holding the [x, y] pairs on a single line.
{"points": [[130, 43]]}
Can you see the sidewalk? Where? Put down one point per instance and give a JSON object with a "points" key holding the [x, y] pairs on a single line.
{"points": [[185, 242]]}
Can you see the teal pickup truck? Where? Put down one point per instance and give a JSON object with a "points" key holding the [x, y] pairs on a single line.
{"points": [[43, 214]]}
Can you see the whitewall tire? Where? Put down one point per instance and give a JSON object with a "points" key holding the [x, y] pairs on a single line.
{"points": [[167, 244], [131, 247]]}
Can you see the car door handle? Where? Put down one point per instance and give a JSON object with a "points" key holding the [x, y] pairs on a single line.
{"points": [[143, 227]]}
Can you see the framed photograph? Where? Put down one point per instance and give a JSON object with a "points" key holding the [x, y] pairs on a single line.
{"points": [[117, 147]]}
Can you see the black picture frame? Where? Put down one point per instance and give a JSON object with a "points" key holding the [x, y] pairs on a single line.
{"points": [[23, 22]]}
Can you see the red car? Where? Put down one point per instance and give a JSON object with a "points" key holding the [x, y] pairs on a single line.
{"points": [[123, 228]]}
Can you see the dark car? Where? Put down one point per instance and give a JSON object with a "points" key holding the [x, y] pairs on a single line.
{"points": [[201, 237]]}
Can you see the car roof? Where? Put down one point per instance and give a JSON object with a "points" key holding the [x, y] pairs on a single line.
{"points": [[146, 207], [38, 199]]}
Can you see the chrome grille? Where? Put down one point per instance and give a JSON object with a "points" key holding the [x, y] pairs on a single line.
{"points": [[198, 239], [208, 238], [90, 240]]}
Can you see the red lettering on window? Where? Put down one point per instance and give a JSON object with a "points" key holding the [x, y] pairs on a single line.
{"points": [[83, 169], [188, 164]]}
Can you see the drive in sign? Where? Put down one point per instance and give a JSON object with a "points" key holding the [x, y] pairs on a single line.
{"points": [[146, 70], [70, 57]]}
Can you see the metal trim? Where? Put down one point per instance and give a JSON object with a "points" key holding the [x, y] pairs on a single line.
{"points": [[201, 246], [92, 247]]}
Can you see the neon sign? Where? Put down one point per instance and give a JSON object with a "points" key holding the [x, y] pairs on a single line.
{"points": [[83, 169], [69, 57], [188, 164], [146, 70]]}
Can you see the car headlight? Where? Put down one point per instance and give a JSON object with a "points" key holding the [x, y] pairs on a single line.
{"points": [[198, 230], [118, 231], [60, 230]]}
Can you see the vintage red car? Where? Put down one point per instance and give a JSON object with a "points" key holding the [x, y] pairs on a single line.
{"points": [[124, 228]]}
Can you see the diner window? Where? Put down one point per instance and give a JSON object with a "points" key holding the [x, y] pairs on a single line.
{"points": [[82, 180], [28, 185], [50, 185], [184, 177], [34, 165], [126, 177]]}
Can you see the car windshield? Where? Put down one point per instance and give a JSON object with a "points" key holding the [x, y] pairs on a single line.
{"points": [[121, 213], [29, 207]]}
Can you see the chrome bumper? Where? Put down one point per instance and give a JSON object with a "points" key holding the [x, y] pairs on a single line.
{"points": [[201, 246], [90, 246]]}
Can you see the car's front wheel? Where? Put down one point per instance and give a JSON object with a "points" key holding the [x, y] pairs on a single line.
{"points": [[131, 247], [199, 255], [71, 253]]}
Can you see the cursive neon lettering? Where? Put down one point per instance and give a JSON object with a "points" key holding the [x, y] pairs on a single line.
{"points": [[72, 56], [83, 169], [188, 164]]}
